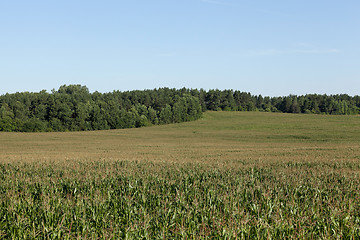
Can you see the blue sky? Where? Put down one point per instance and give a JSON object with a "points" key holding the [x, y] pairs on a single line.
{"points": [[274, 48]]}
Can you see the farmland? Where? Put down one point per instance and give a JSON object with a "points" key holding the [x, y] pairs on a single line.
{"points": [[229, 175]]}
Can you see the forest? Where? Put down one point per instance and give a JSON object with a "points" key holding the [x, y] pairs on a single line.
{"points": [[74, 108]]}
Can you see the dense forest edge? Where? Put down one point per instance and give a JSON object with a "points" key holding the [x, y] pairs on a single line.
{"points": [[74, 108]]}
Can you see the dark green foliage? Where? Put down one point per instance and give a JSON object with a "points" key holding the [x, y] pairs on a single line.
{"points": [[74, 108], [312, 103], [34, 125]]}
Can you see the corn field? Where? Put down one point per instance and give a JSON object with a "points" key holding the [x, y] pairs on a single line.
{"points": [[303, 189]]}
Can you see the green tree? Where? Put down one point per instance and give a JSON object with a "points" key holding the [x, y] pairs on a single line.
{"points": [[165, 115], [34, 125], [295, 106]]}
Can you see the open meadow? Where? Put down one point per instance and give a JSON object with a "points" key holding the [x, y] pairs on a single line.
{"points": [[229, 175]]}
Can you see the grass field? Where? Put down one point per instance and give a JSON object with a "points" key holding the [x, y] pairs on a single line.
{"points": [[230, 175]]}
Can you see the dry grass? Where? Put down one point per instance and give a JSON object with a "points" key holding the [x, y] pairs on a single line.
{"points": [[220, 137]]}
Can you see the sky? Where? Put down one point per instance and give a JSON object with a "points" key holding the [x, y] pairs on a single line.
{"points": [[272, 48]]}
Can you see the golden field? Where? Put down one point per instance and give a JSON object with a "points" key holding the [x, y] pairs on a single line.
{"points": [[220, 137]]}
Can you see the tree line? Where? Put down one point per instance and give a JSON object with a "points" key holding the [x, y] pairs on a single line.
{"points": [[74, 108], [229, 100]]}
